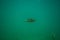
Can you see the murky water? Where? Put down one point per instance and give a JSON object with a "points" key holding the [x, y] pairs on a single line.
{"points": [[46, 14]]}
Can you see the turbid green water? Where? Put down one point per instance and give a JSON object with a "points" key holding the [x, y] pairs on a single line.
{"points": [[13, 13]]}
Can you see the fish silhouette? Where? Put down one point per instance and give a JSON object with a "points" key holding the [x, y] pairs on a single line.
{"points": [[30, 20], [53, 36]]}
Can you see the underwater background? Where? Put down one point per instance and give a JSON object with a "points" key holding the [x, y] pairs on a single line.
{"points": [[13, 13]]}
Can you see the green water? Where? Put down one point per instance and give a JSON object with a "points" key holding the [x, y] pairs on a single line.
{"points": [[13, 13]]}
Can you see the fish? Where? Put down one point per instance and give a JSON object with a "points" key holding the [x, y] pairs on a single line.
{"points": [[29, 20], [53, 36]]}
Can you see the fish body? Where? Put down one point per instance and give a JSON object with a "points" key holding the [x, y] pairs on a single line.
{"points": [[53, 36], [30, 20]]}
